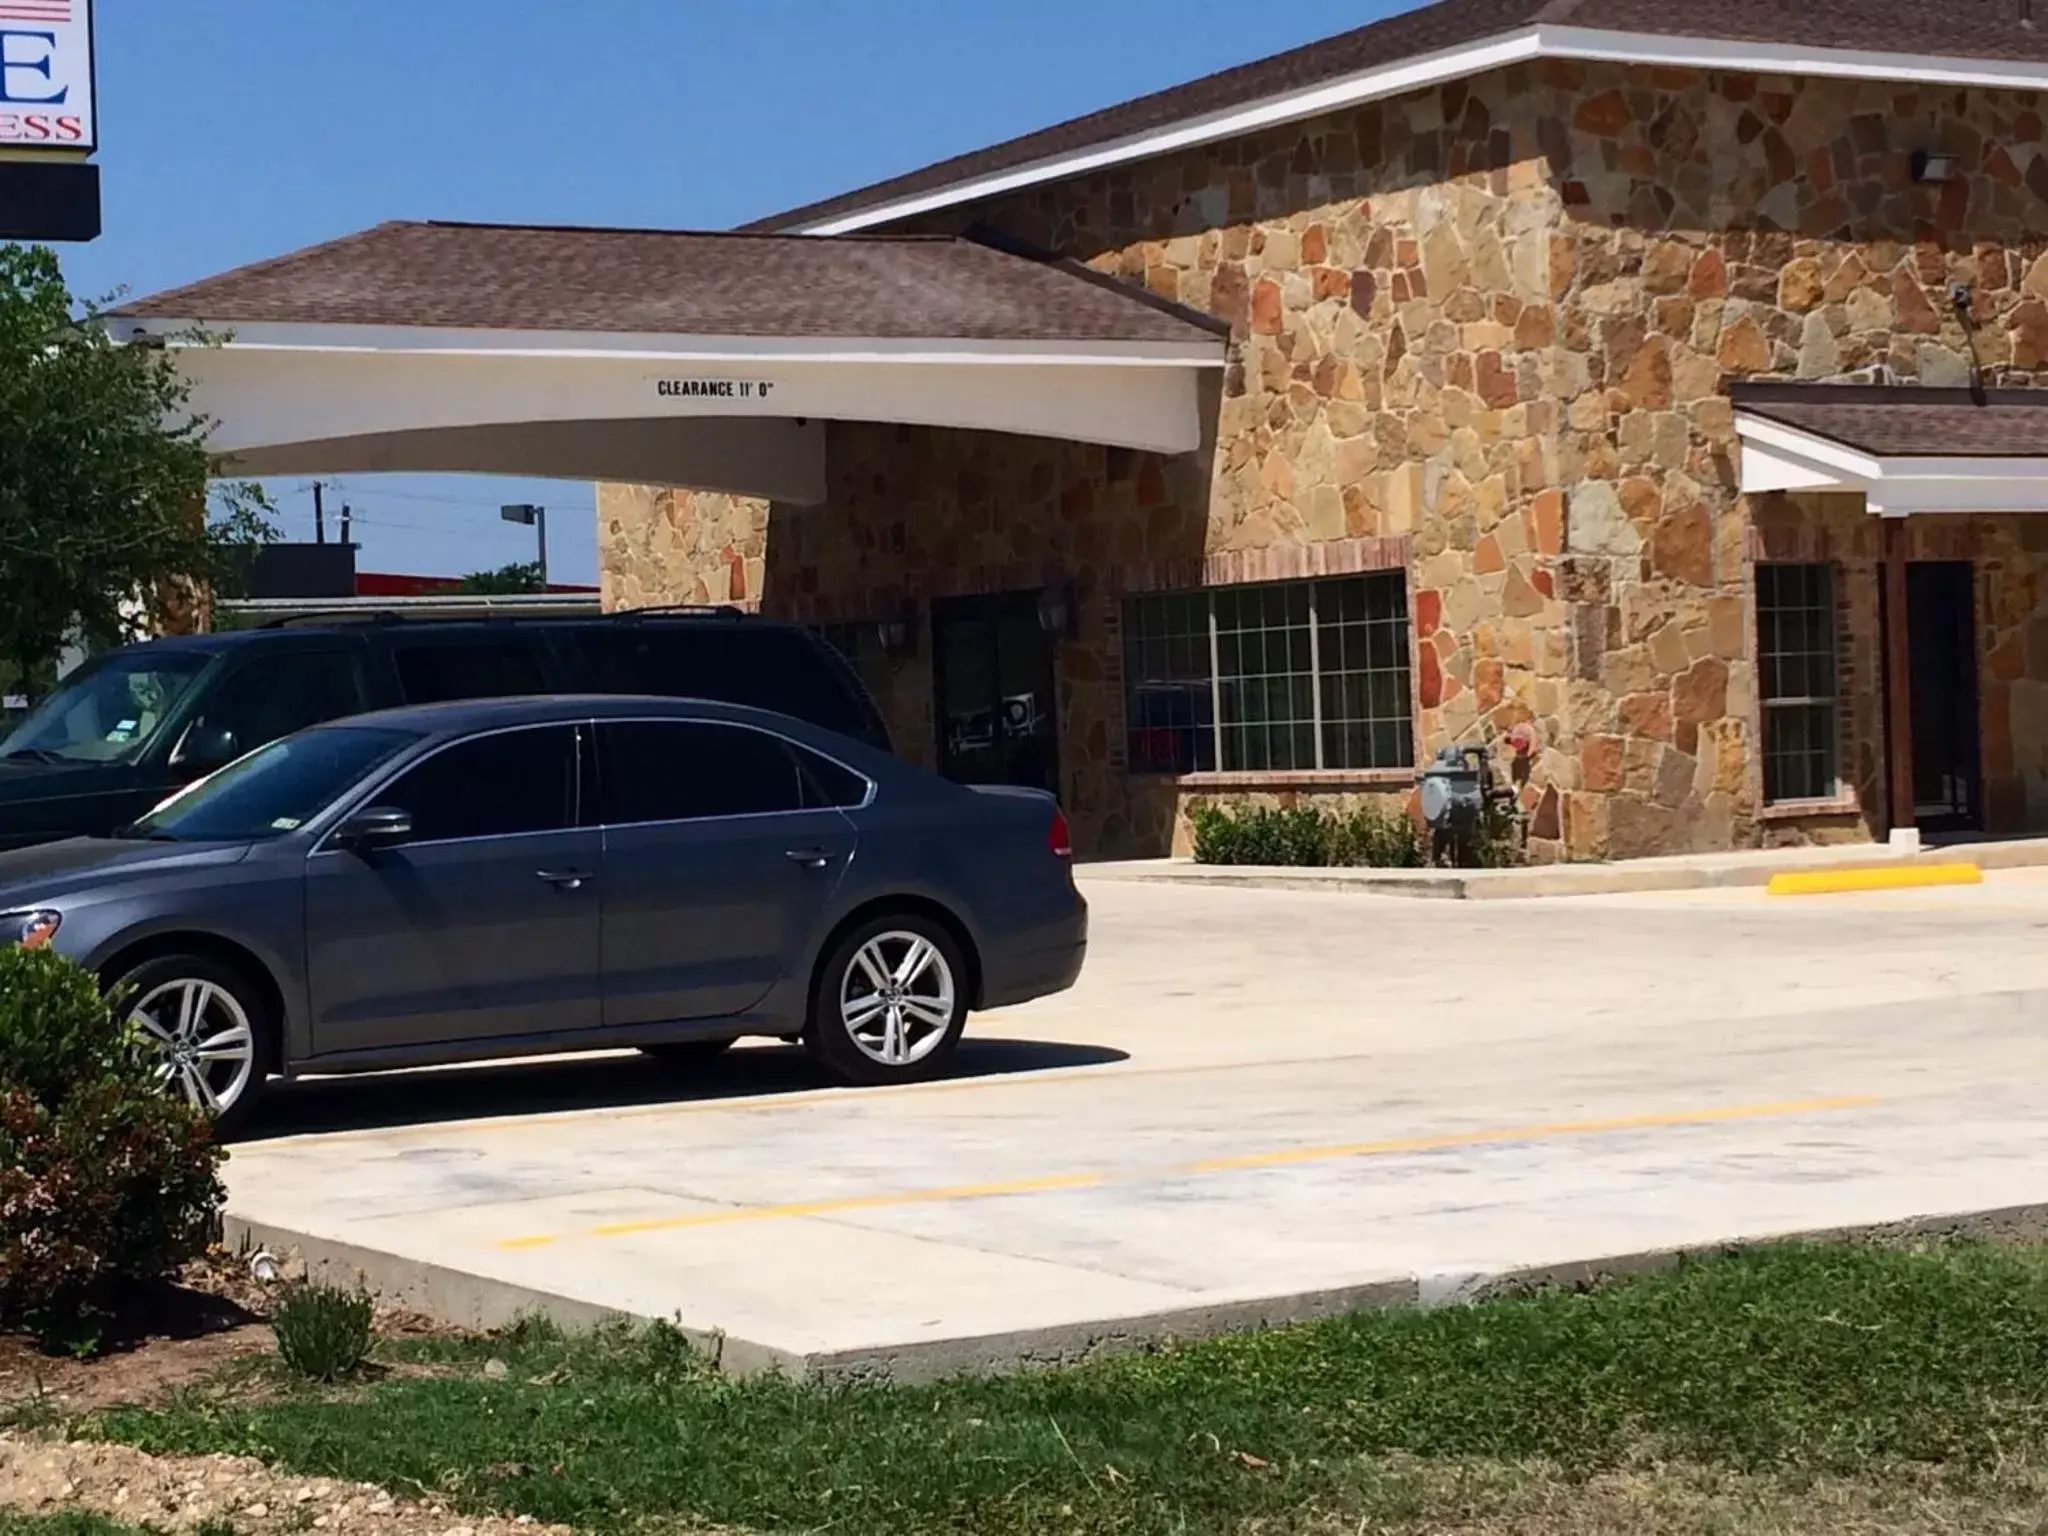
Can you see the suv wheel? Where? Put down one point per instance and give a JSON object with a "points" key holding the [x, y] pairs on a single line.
{"points": [[890, 1003], [210, 1030]]}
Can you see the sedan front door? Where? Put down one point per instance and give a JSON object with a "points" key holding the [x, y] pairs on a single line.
{"points": [[720, 853], [483, 926]]}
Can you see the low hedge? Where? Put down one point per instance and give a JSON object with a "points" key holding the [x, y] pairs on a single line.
{"points": [[1303, 835], [106, 1182]]}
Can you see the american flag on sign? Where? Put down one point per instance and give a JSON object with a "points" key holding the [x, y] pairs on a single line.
{"points": [[35, 10]]}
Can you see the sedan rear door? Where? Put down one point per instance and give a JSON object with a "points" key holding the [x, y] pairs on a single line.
{"points": [[721, 851]]}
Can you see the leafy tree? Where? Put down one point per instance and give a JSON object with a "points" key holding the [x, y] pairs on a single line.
{"points": [[507, 580], [105, 525]]}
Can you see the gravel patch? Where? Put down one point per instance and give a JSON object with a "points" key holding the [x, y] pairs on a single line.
{"points": [[177, 1493]]}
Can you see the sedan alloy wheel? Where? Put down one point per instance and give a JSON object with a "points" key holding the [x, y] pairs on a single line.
{"points": [[204, 1041], [898, 1000]]}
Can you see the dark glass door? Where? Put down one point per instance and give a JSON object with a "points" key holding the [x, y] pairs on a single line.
{"points": [[993, 677], [1941, 631]]}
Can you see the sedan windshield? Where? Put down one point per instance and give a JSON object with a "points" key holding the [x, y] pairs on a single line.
{"points": [[275, 790], [106, 713]]}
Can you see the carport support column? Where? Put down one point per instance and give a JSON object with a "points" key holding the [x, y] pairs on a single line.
{"points": [[1898, 705]]}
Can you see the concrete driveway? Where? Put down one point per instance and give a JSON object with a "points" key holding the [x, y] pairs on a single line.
{"points": [[1258, 1104]]}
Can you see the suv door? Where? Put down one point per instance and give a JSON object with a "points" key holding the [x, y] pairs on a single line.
{"points": [[484, 924], [720, 853], [269, 694]]}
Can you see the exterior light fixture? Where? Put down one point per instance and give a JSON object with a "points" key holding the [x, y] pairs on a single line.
{"points": [[1933, 165], [898, 633], [1059, 611]]}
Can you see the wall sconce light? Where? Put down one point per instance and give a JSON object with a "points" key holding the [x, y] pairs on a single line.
{"points": [[898, 633], [1059, 610], [1933, 165]]}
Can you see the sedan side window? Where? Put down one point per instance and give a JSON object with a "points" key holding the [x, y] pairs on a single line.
{"points": [[506, 785], [687, 770]]}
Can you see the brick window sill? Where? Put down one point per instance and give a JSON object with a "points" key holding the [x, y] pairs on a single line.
{"points": [[1299, 778], [1798, 810]]}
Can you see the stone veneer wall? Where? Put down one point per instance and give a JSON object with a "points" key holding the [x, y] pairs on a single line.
{"points": [[1492, 323]]}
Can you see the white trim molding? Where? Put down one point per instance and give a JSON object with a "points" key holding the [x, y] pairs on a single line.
{"points": [[1777, 457], [1542, 41]]}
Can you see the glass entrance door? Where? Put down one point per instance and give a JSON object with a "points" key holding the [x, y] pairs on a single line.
{"points": [[994, 682], [1941, 632]]}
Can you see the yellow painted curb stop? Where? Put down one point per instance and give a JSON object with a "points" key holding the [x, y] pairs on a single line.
{"points": [[1891, 877]]}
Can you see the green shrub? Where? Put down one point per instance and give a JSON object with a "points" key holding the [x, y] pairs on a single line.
{"points": [[106, 1182], [323, 1333], [1304, 837]]}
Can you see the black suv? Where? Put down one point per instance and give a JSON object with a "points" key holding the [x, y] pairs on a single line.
{"points": [[134, 724]]}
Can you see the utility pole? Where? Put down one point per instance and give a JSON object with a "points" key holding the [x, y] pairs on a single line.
{"points": [[346, 509], [528, 515], [319, 513]]}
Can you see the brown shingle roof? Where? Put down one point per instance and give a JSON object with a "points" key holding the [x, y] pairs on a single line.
{"points": [[498, 277], [1971, 29], [1898, 421]]}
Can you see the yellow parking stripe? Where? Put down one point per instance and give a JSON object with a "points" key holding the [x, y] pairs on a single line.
{"points": [[1895, 877], [1275, 1159]]}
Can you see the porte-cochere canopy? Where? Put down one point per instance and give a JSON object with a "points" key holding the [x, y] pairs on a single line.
{"points": [[703, 360]]}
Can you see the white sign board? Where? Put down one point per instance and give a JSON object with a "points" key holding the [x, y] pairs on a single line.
{"points": [[46, 79]]}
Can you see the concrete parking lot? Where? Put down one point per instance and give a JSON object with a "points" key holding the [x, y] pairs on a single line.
{"points": [[1257, 1104]]}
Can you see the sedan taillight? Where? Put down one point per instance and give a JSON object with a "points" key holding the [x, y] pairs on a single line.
{"points": [[1061, 838]]}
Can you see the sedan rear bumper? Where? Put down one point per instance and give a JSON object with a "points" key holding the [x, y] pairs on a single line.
{"points": [[1045, 960]]}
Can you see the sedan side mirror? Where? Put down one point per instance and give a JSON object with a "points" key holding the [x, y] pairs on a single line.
{"points": [[381, 826]]}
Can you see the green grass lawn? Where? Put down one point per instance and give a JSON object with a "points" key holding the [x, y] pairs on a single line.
{"points": [[1874, 1384]]}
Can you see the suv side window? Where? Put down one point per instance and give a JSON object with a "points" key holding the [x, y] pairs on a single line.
{"points": [[274, 694], [688, 770], [435, 671], [506, 785], [765, 666]]}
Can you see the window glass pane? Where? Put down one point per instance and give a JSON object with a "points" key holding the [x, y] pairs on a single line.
{"points": [[108, 710], [827, 783], [277, 789], [485, 669], [660, 771], [271, 696], [1795, 625], [1278, 671], [1168, 702], [1363, 639], [495, 786], [1267, 676]]}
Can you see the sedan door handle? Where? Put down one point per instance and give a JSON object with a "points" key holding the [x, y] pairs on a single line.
{"points": [[565, 879], [810, 858]]}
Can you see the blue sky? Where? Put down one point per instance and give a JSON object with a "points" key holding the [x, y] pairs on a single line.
{"points": [[232, 130]]}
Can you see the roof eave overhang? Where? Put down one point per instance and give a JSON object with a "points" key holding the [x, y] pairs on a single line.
{"points": [[1541, 41], [1197, 351], [1780, 457]]}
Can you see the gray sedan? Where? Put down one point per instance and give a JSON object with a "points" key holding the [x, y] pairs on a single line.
{"points": [[476, 880]]}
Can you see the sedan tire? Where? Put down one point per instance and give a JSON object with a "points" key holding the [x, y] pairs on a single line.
{"points": [[890, 1001], [210, 1029]]}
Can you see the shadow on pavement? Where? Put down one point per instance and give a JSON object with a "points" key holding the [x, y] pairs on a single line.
{"points": [[551, 1084]]}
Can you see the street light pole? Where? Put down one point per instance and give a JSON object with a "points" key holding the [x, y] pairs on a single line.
{"points": [[528, 515]]}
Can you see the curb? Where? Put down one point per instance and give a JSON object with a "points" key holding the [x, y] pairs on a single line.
{"points": [[1737, 871], [464, 1300]]}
